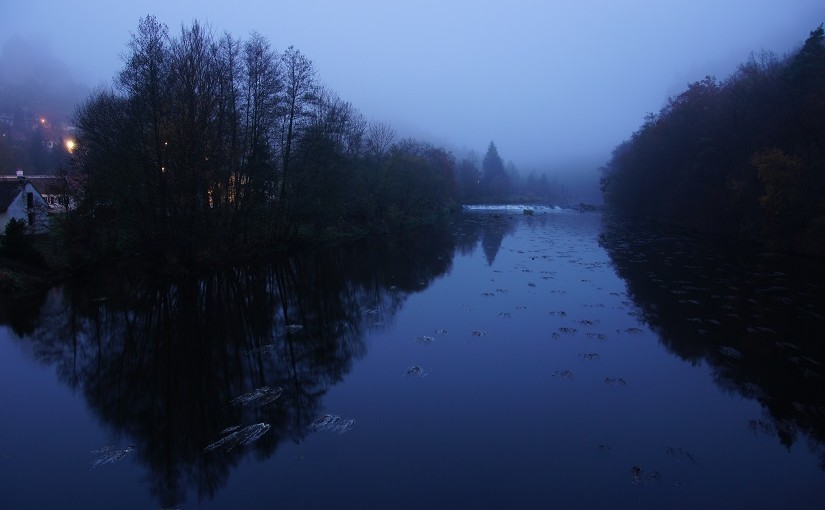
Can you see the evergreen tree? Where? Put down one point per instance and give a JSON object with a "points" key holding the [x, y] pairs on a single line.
{"points": [[495, 184]]}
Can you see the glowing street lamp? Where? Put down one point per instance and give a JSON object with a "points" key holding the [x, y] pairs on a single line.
{"points": [[71, 145]]}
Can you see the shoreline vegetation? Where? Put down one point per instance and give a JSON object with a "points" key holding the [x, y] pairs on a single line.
{"points": [[743, 157], [212, 151]]}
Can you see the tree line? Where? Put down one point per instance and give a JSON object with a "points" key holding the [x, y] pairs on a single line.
{"points": [[213, 144], [208, 146], [495, 182], [743, 156]]}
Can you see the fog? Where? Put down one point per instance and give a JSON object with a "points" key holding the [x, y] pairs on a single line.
{"points": [[555, 85]]}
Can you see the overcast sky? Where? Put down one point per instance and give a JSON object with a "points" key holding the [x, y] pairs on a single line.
{"points": [[556, 84]]}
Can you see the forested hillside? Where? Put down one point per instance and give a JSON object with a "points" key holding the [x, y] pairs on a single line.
{"points": [[744, 156]]}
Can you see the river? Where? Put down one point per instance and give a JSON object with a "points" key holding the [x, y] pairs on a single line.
{"points": [[553, 360]]}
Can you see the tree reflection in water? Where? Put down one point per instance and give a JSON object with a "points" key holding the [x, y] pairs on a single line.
{"points": [[756, 319], [162, 362]]}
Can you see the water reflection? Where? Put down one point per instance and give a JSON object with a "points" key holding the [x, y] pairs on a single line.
{"points": [[755, 319], [489, 227], [201, 372], [204, 379], [21, 312]]}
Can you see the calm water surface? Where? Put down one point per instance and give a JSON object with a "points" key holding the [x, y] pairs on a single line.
{"points": [[553, 361]]}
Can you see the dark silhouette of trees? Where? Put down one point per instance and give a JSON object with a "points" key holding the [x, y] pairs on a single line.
{"points": [[755, 301], [469, 181], [495, 183], [742, 156], [420, 180], [162, 361], [213, 146]]}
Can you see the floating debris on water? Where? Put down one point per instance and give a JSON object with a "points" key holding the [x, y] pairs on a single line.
{"points": [[590, 355], [560, 313], [563, 374], [424, 339], [415, 371], [586, 322], [479, 333], [597, 336], [640, 477], [265, 348], [237, 436], [440, 331], [633, 331], [615, 380], [332, 423], [680, 453], [637, 474], [110, 455], [730, 352], [760, 329], [260, 397], [488, 294], [506, 315], [568, 331]]}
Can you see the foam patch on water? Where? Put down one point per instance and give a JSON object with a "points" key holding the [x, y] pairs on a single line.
{"points": [[110, 455], [332, 423], [237, 436], [260, 397], [514, 208]]}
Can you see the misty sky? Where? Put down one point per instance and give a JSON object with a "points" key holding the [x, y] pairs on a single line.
{"points": [[556, 85]]}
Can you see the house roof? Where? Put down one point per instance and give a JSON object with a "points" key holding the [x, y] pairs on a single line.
{"points": [[8, 192], [48, 185]]}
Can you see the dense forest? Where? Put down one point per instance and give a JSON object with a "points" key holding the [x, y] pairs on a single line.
{"points": [[742, 157], [212, 145]]}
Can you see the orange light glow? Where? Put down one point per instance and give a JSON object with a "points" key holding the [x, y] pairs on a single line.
{"points": [[71, 145]]}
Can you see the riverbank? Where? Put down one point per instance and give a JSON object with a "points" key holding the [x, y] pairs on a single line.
{"points": [[50, 258]]}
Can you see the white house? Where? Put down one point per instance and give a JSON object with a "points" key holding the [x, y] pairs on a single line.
{"points": [[19, 199]]}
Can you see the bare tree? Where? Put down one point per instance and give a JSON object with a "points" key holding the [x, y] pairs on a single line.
{"points": [[380, 137], [300, 92], [144, 81]]}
